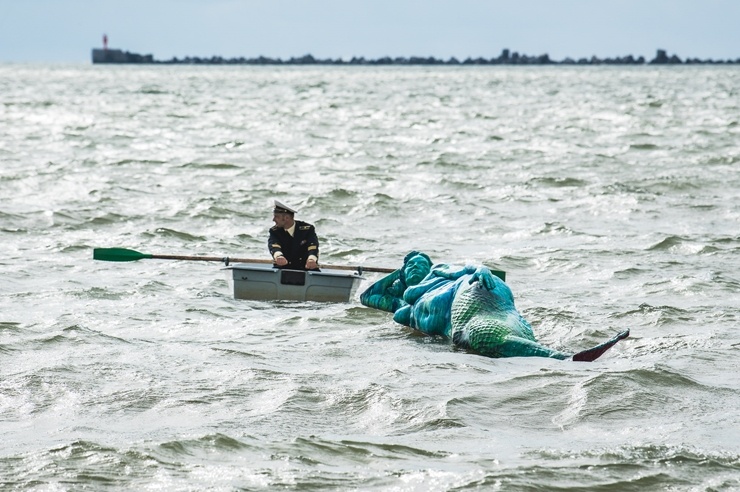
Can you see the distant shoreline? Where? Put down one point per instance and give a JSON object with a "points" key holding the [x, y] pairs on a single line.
{"points": [[116, 56]]}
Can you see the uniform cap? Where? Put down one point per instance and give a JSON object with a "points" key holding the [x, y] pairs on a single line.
{"points": [[281, 208]]}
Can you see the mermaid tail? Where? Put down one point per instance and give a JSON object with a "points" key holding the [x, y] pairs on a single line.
{"points": [[489, 324], [510, 346]]}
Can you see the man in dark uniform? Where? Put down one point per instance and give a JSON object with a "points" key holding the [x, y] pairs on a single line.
{"points": [[293, 243]]}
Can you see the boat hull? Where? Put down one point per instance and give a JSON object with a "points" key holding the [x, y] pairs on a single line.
{"points": [[261, 282]]}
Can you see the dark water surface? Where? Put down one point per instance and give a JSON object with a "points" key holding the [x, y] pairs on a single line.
{"points": [[608, 194]]}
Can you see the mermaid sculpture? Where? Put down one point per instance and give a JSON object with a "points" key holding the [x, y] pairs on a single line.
{"points": [[468, 304]]}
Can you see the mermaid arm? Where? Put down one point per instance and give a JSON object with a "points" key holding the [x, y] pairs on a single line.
{"points": [[385, 294], [441, 274], [481, 274], [451, 272], [431, 282]]}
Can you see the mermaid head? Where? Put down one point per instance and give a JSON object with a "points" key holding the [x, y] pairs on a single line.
{"points": [[416, 266]]}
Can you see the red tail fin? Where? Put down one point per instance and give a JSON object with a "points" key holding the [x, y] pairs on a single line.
{"points": [[594, 353]]}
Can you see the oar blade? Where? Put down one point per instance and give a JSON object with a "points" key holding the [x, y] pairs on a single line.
{"points": [[118, 254]]}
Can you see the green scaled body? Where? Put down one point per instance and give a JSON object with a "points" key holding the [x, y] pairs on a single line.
{"points": [[489, 325]]}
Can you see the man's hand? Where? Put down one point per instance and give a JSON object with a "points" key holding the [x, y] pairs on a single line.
{"points": [[281, 261], [311, 264]]}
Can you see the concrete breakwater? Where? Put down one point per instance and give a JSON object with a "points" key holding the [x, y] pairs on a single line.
{"points": [[505, 58], [104, 55]]}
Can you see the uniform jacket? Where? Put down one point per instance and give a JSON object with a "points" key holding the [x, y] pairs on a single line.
{"points": [[296, 249]]}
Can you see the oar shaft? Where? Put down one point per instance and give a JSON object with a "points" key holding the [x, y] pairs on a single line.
{"points": [[225, 259], [358, 268], [229, 260]]}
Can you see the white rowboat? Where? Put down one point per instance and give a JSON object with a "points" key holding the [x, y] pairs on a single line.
{"points": [[266, 283]]}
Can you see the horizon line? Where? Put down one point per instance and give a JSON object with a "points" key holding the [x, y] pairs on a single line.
{"points": [[507, 57]]}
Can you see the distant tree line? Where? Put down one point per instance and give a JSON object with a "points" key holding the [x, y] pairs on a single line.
{"points": [[505, 58]]}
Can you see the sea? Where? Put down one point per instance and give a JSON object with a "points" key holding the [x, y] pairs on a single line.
{"points": [[608, 194]]}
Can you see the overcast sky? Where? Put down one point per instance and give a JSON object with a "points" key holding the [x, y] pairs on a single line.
{"points": [[66, 30]]}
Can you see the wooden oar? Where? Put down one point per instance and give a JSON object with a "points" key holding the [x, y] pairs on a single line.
{"points": [[122, 254]]}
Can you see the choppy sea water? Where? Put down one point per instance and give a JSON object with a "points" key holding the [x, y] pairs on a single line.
{"points": [[608, 194]]}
